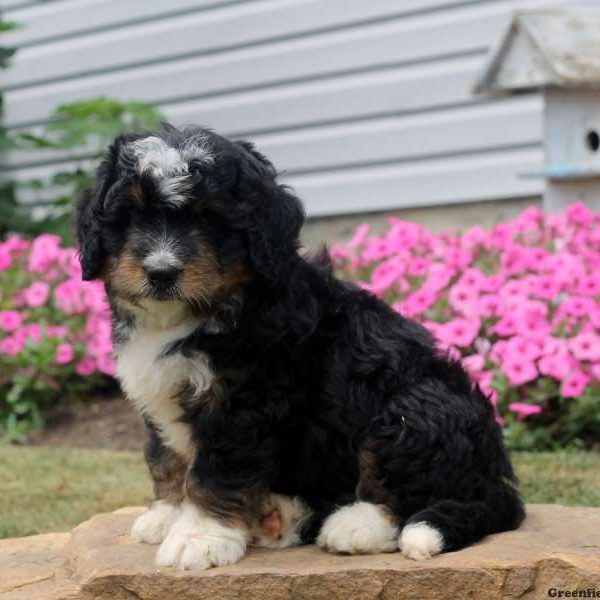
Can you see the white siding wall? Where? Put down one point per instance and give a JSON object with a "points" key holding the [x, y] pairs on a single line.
{"points": [[366, 104]]}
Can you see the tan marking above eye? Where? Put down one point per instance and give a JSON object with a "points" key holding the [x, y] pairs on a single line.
{"points": [[134, 194]]}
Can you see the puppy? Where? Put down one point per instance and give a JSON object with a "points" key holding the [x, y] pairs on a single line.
{"points": [[269, 387]]}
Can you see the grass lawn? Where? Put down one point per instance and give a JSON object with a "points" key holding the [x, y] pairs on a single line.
{"points": [[52, 489]]}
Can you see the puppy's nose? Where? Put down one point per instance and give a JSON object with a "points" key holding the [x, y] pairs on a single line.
{"points": [[163, 277]]}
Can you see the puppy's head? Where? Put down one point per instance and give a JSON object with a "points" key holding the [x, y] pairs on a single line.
{"points": [[187, 215]]}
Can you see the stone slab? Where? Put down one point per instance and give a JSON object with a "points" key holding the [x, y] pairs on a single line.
{"points": [[556, 548]]}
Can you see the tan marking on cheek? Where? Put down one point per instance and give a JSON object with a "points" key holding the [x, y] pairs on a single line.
{"points": [[204, 279], [126, 274]]}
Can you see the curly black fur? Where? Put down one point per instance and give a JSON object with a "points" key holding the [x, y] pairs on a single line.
{"points": [[314, 373]]}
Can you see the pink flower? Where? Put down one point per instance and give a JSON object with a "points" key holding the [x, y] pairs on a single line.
{"points": [[36, 294], [589, 285], [524, 410], [32, 331], [473, 364], [524, 348], [556, 367], [545, 286], [44, 250], [576, 306], [579, 214], [5, 259], [519, 371], [574, 385], [12, 345], [417, 303], [460, 332], [64, 354], [506, 326], [360, 235], [585, 346], [10, 320], [86, 366], [106, 364], [463, 299], [489, 305]]}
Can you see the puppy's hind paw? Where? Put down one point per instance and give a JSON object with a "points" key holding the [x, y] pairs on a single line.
{"points": [[360, 528], [420, 541], [153, 525]]}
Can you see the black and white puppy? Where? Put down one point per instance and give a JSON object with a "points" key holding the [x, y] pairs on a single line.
{"points": [[268, 384]]}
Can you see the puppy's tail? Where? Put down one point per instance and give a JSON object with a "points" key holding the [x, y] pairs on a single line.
{"points": [[451, 524]]}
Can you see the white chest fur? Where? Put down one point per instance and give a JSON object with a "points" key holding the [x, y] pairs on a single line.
{"points": [[152, 381]]}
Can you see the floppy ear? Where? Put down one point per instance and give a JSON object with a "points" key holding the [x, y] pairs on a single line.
{"points": [[87, 225], [91, 208], [275, 217], [88, 219]]}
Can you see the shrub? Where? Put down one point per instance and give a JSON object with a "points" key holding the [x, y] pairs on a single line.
{"points": [[81, 129], [520, 304], [54, 331]]}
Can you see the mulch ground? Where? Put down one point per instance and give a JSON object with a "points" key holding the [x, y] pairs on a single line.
{"points": [[103, 422]]}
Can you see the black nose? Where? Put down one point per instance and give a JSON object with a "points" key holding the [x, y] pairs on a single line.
{"points": [[163, 277]]}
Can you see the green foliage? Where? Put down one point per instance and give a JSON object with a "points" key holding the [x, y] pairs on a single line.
{"points": [[80, 130]]}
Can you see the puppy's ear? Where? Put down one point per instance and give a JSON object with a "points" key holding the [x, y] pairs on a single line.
{"points": [[90, 212], [275, 216], [87, 223]]}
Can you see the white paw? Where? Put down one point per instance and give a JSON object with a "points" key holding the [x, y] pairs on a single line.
{"points": [[420, 541], [196, 541], [152, 526], [361, 528]]}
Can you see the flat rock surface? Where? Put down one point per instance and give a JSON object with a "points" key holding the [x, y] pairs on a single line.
{"points": [[557, 548]]}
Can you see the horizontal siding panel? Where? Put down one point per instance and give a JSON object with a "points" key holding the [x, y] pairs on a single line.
{"points": [[241, 24], [397, 41], [349, 97], [454, 131], [74, 17], [459, 130], [428, 183], [11, 5]]}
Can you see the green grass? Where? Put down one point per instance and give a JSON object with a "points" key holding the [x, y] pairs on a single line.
{"points": [[570, 478], [53, 489]]}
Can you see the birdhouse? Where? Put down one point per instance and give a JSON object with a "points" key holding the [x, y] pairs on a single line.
{"points": [[556, 52]]}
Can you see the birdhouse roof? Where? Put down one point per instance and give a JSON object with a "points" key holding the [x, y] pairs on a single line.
{"points": [[542, 48]]}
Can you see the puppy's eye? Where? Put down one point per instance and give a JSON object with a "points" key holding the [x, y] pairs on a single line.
{"points": [[195, 167]]}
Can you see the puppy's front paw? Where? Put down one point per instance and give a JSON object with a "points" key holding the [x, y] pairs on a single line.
{"points": [[360, 528], [200, 542], [153, 525], [420, 541]]}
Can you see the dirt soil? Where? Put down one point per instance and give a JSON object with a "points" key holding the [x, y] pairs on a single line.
{"points": [[103, 422]]}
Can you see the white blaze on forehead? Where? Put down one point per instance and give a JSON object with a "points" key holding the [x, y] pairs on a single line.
{"points": [[169, 166], [154, 155]]}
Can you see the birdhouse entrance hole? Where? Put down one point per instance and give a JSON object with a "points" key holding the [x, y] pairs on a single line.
{"points": [[593, 140]]}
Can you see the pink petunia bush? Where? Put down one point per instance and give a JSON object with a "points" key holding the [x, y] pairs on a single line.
{"points": [[518, 304], [54, 331]]}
